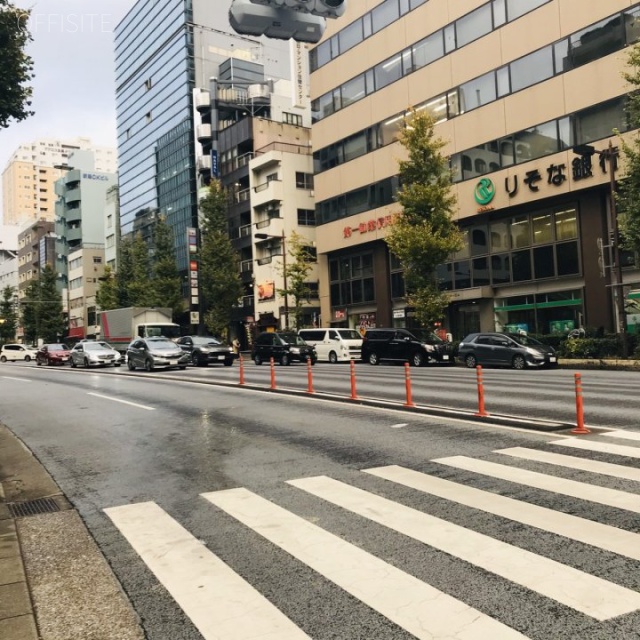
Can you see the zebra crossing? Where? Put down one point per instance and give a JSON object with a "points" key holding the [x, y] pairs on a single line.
{"points": [[223, 605]]}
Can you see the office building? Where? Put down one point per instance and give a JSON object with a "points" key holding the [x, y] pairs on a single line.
{"points": [[9, 257], [515, 86]]}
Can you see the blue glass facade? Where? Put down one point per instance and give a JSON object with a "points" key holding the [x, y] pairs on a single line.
{"points": [[154, 83]]}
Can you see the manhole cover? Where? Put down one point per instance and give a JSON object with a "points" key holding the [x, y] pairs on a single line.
{"points": [[32, 507]]}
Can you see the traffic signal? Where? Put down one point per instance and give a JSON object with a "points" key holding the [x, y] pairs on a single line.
{"points": [[260, 19], [324, 8]]}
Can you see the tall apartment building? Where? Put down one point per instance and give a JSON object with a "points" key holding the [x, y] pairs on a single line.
{"points": [[36, 250], [9, 256], [27, 180], [515, 86], [85, 268]]}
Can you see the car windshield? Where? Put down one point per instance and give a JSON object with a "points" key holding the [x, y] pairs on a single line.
{"points": [[96, 346], [349, 334], [527, 341], [207, 340], [58, 347], [427, 336], [292, 338], [168, 331], [161, 345]]}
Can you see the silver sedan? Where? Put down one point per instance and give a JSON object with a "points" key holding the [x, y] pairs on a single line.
{"points": [[94, 354]]}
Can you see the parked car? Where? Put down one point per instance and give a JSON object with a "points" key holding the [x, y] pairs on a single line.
{"points": [[507, 350], [90, 353], [334, 345], [401, 345], [203, 350], [13, 352], [284, 347], [150, 353], [53, 354]]}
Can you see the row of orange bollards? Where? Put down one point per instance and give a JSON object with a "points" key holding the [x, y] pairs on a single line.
{"points": [[481, 412]]}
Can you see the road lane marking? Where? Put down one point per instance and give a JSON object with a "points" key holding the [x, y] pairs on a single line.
{"points": [[562, 486], [133, 404], [571, 462], [400, 425], [571, 587], [17, 379], [599, 447], [596, 534], [624, 435], [221, 604], [410, 603]]}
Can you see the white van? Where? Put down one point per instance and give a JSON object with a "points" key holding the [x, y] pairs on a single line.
{"points": [[334, 345]]}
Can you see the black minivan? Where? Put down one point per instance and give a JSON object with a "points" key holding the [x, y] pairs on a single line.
{"points": [[401, 345], [284, 347]]}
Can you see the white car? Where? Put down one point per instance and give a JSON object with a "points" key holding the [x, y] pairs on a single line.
{"points": [[13, 352], [94, 354]]}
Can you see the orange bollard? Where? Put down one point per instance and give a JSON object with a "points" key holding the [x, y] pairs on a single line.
{"points": [[481, 411], [309, 377], [407, 384], [273, 374], [354, 395], [580, 428], [241, 369]]}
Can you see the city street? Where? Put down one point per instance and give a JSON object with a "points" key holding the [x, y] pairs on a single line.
{"points": [[232, 513]]}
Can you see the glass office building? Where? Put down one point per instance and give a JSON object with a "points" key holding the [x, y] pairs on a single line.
{"points": [[155, 76]]}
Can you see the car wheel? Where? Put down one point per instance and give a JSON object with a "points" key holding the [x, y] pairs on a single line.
{"points": [[182, 367], [373, 358], [333, 357], [86, 363], [285, 361], [195, 361], [417, 359], [130, 365], [519, 362], [257, 359], [228, 363], [471, 361], [3, 359], [148, 365], [38, 363], [116, 364], [72, 362], [27, 358]]}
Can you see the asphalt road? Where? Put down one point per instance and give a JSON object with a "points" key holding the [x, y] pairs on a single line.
{"points": [[230, 513]]}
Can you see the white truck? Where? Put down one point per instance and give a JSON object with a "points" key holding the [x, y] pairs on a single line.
{"points": [[119, 327]]}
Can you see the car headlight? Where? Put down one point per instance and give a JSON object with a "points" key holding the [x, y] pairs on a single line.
{"points": [[536, 354], [295, 349], [205, 349], [429, 348]]}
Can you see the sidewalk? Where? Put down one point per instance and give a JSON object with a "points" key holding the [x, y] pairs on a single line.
{"points": [[54, 582]]}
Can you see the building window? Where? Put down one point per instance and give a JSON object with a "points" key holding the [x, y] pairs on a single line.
{"points": [[351, 280], [292, 118], [97, 260], [307, 217], [304, 180]]}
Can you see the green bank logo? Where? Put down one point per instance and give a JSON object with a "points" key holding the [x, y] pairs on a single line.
{"points": [[484, 192]]}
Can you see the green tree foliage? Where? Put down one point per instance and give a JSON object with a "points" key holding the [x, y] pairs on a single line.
{"points": [[629, 188], [300, 261], [107, 293], [165, 277], [42, 309], [424, 234], [124, 273], [140, 287], [15, 66], [220, 284], [8, 315], [29, 309]]}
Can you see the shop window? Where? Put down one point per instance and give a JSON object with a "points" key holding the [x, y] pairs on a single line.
{"points": [[542, 228], [521, 265], [462, 274], [566, 224], [543, 263], [567, 259], [520, 229], [481, 277], [500, 269]]}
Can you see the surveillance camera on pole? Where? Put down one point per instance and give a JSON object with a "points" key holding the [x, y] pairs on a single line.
{"points": [[260, 19], [324, 8]]}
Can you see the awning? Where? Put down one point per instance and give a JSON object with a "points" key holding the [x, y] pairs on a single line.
{"points": [[634, 295]]}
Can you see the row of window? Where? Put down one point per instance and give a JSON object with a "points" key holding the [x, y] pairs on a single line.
{"points": [[594, 42], [351, 280], [455, 35]]}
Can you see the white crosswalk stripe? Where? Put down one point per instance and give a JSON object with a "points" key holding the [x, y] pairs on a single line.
{"points": [[623, 435], [413, 605], [590, 595], [592, 589], [572, 488]]}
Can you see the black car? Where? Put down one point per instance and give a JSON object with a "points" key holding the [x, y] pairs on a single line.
{"points": [[204, 350], [401, 345], [284, 347], [507, 350]]}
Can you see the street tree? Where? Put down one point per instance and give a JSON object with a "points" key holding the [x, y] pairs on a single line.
{"points": [[165, 282], [51, 322], [124, 272], [628, 196], [29, 310], [107, 293], [140, 288], [220, 283], [300, 260], [424, 234], [16, 70], [8, 315]]}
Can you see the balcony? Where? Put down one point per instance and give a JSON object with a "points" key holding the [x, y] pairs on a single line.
{"points": [[203, 131], [72, 195], [73, 234], [271, 191], [204, 164], [202, 100]]}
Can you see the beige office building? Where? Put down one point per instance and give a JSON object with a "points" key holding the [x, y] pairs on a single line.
{"points": [[29, 176], [515, 86]]}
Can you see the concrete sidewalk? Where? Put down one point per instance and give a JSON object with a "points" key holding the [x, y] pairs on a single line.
{"points": [[54, 582]]}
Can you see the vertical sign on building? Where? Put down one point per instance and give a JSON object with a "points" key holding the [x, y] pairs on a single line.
{"points": [[215, 172], [192, 244], [299, 73]]}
